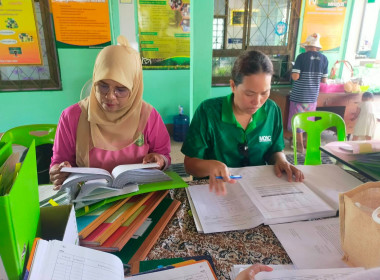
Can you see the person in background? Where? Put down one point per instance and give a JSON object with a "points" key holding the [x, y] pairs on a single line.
{"points": [[241, 129], [309, 70], [113, 125], [365, 125]]}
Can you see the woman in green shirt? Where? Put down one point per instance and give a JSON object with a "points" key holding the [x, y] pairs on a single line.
{"points": [[242, 129]]}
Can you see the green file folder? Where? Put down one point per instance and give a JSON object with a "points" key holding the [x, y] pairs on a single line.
{"points": [[19, 214]]}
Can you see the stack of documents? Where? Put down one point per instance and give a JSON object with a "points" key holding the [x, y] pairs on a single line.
{"points": [[50, 197], [370, 161]]}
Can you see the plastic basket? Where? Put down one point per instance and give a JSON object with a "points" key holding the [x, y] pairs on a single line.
{"points": [[326, 88]]}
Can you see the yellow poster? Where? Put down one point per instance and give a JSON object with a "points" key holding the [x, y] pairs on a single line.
{"points": [[81, 23], [164, 33], [325, 17], [19, 42]]}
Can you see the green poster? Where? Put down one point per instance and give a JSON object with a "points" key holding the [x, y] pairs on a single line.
{"points": [[164, 33]]}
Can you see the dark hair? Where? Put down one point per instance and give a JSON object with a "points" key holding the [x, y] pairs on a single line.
{"points": [[250, 62], [367, 95]]}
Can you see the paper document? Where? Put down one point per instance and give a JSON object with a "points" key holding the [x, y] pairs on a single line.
{"points": [[46, 191], [59, 260], [224, 213], [262, 197], [237, 268], [312, 244], [328, 181], [308, 274]]}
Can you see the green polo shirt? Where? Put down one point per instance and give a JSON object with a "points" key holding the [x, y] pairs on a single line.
{"points": [[215, 134]]}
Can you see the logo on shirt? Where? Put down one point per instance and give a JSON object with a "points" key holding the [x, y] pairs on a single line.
{"points": [[140, 141], [265, 138], [315, 57]]}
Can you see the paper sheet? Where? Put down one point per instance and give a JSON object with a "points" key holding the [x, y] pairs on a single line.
{"points": [[46, 191], [307, 274], [236, 269], [59, 260], [279, 200], [312, 244], [234, 211], [328, 181]]}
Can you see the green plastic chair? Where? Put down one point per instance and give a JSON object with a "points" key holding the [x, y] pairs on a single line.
{"points": [[314, 128], [24, 135], [43, 135]]}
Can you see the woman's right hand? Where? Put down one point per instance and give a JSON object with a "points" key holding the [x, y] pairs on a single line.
{"points": [[217, 168], [56, 176]]}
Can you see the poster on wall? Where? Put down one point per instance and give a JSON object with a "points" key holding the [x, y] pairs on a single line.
{"points": [[164, 33], [325, 17], [81, 23], [19, 41]]}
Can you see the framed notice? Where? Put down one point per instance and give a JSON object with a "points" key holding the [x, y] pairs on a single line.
{"points": [[325, 17], [19, 40], [237, 17], [164, 33], [81, 23]]}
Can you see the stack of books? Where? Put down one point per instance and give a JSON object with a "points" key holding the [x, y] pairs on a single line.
{"points": [[91, 188], [128, 227]]}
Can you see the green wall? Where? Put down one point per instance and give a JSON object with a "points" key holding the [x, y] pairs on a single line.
{"points": [[164, 89], [28, 107]]}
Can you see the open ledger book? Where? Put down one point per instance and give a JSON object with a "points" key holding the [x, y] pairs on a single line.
{"points": [[261, 197], [100, 184], [59, 260]]}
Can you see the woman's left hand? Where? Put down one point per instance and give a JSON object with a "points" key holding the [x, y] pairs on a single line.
{"points": [[154, 157], [282, 165]]}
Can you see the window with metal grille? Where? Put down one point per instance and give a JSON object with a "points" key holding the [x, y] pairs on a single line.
{"points": [[266, 25], [36, 77]]}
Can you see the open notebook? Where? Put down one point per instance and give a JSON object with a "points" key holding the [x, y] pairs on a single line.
{"points": [[261, 197]]}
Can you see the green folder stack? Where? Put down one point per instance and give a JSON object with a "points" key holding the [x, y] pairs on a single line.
{"points": [[19, 214], [176, 182]]}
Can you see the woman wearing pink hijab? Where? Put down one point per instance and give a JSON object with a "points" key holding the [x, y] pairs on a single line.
{"points": [[113, 125]]}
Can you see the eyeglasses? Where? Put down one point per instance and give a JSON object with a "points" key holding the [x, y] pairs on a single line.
{"points": [[243, 150], [119, 92]]}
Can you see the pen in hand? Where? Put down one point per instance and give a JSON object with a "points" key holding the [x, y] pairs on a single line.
{"points": [[231, 177]]}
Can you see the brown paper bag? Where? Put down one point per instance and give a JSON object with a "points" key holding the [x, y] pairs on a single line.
{"points": [[359, 232]]}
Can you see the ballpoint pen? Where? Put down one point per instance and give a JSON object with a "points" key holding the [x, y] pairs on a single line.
{"points": [[231, 177]]}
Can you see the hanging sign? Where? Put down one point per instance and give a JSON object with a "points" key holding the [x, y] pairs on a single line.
{"points": [[164, 33], [81, 23], [325, 17]]}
